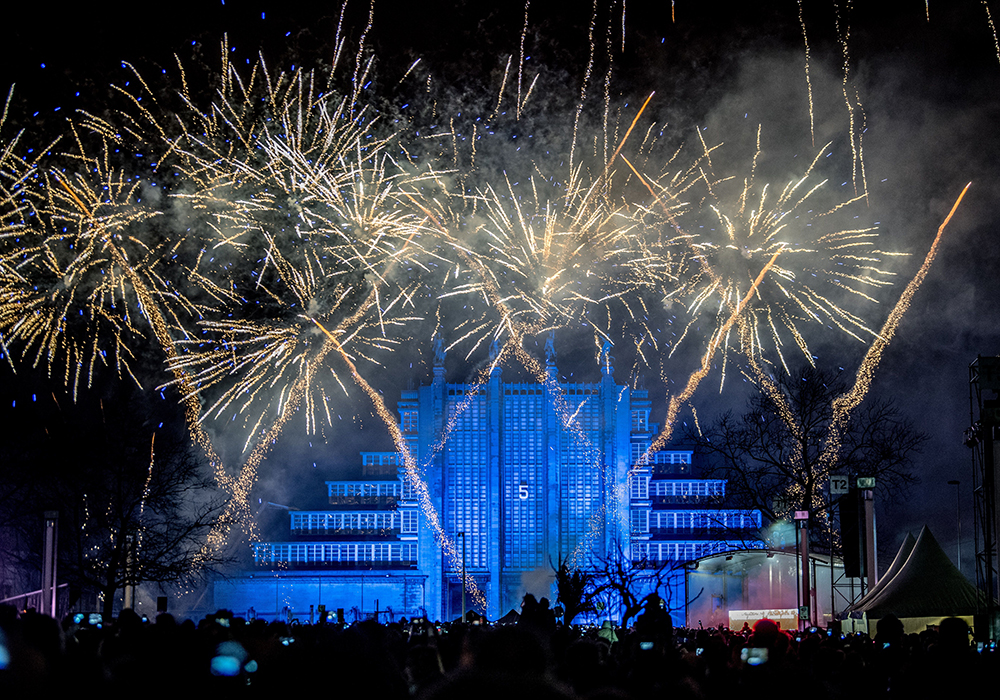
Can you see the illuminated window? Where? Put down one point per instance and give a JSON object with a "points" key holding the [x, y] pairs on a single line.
{"points": [[410, 422], [640, 520], [638, 452], [409, 522], [640, 421], [640, 487]]}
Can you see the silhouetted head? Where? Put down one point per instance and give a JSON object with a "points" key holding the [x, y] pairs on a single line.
{"points": [[889, 630], [766, 633], [953, 634]]}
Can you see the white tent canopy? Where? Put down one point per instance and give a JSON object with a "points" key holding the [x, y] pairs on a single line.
{"points": [[921, 587]]}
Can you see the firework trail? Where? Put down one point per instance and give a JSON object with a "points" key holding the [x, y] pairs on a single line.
{"points": [[809, 90], [299, 223], [843, 405], [537, 259], [677, 401], [993, 29], [853, 397], [768, 265], [540, 269], [98, 258], [104, 260], [538, 266], [290, 220], [145, 491], [855, 111], [411, 472]]}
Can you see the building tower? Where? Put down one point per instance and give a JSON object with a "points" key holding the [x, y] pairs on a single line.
{"points": [[520, 476]]}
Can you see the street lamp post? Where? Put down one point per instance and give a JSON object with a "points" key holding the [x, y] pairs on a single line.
{"points": [[50, 588], [866, 484], [958, 514], [805, 587]]}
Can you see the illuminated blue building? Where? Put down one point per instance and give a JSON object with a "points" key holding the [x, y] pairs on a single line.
{"points": [[521, 476]]}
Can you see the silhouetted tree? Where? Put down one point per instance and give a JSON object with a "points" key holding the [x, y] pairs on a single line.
{"points": [[778, 455], [135, 504], [630, 584], [577, 591]]}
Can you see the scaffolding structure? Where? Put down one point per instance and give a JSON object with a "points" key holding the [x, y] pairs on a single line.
{"points": [[984, 413]]}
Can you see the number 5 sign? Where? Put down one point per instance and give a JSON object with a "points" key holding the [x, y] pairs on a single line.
{"points": [[522, 491]]}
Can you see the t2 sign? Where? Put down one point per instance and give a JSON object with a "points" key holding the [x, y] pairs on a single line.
{"points": [[838, 484]]}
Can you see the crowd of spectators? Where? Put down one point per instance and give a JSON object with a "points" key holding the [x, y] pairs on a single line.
{"points": [[226, 656]]}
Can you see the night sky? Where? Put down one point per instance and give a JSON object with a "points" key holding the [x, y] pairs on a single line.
{"points": [[928, 88]]}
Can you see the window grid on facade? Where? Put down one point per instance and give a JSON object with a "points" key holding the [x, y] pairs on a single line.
{"points": [[345, 520], [466, 473], [640, 421], [638, 486], [579, 471], [364, 488], [523, 477], [381, 458], [672, 457], [675, 551], [408, 521], [333, 552], [694, 520], [409, 493], [688, 489], [637, 452], [410, 421], [639, 520]]}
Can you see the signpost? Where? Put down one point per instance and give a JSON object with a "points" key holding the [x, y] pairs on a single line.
{"points": [[802, 520]]}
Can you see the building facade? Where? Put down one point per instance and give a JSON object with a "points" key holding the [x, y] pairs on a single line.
{"points": [[507, 480]]}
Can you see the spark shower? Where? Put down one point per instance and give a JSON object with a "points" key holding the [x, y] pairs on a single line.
{"points": [[273, 236]]}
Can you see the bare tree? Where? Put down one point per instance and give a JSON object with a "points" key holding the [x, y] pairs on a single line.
{"points": [[629, 584], [778, 456], [142, 522], [135, 504]]}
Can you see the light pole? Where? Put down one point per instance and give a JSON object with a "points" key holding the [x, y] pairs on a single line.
{"points": [[805, 587], [958, 514], [462, 535], [866, 484], [50, 588]]}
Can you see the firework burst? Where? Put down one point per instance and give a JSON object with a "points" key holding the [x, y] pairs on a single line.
{"points": [[83, 269], [819, 260], [298, 233]]}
